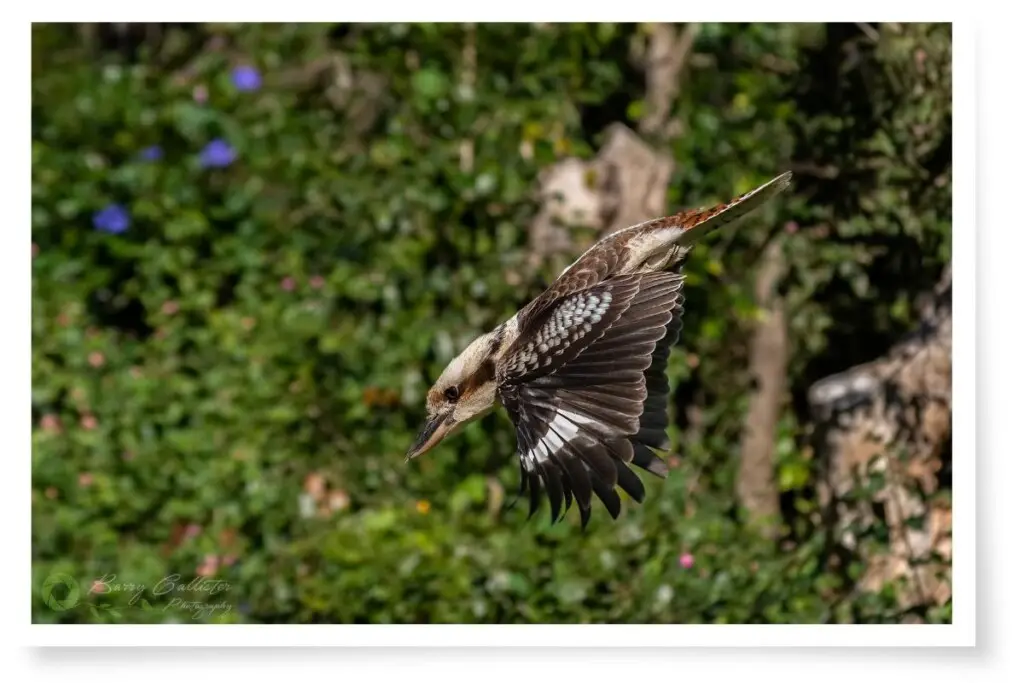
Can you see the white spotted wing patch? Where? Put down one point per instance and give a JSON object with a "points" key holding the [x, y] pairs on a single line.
{"points": [[569, 322]]}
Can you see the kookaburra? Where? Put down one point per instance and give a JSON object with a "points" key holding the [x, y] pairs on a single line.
{"points": [[581, 368]]}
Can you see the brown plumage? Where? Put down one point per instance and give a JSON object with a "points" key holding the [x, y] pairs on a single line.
{"points": [[581, 368]]}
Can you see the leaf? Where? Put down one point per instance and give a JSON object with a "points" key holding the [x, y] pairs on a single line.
{"points": [[429, 83]]}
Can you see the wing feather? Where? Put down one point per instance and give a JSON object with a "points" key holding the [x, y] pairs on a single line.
{"points": [[584, 416], [654, 421]]}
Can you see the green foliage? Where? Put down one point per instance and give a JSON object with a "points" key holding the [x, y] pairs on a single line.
{"points": [[227, 388]]}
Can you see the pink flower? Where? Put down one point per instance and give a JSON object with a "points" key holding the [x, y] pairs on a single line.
{"points": [[686, 560], [50, 423], [338, 500], [792, 227], [98, 587], [288, 284], [96, 359], [193, 530], [208, 567], [316, 282], [89, 422], [169, 307], [200, 94], [85, 480], [315, 485]]}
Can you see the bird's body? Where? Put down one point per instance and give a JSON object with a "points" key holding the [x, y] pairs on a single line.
{"points": [[581, 368]]}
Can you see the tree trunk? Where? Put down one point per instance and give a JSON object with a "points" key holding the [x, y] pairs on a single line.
{"points": [[769, 357], [894, 416]]}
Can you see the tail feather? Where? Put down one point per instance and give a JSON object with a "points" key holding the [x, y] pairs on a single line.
{"points": [[660, 243], [696, 224]]}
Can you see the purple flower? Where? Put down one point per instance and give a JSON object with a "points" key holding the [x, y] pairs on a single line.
{"points": [[246, 78], [113, 219], [217, 154], [152, 153]]}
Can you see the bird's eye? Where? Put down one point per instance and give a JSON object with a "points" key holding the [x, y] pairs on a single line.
{"points": [[452, 394]]}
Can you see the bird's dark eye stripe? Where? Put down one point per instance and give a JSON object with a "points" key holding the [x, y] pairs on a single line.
{"points": [[451, 393]]}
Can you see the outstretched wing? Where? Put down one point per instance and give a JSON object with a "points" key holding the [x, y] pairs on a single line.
{"points": [[586, 389]]}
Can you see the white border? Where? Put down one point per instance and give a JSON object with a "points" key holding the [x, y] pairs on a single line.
{"points": [[491, 635], [960, 633]]}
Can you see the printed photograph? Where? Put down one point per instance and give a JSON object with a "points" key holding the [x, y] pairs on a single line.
{"points": [[493, 323]]}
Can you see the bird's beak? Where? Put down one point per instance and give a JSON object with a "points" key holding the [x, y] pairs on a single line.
{"points": [[433, 431]]}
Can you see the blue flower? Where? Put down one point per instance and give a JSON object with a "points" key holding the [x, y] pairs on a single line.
{"points": [[152, 153], [246, 78], [217, 154], [113, 219]]}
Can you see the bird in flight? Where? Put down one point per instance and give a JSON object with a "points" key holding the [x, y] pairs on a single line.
{"points": [[581, 368]]}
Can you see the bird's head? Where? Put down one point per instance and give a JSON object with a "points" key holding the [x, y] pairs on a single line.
{"points": [[465, 390]]}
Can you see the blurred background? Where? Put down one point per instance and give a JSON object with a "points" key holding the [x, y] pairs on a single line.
{"points": [[255, 246]]}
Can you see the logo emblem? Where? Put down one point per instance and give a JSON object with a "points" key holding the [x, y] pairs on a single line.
{"points": [[60, 592]]}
